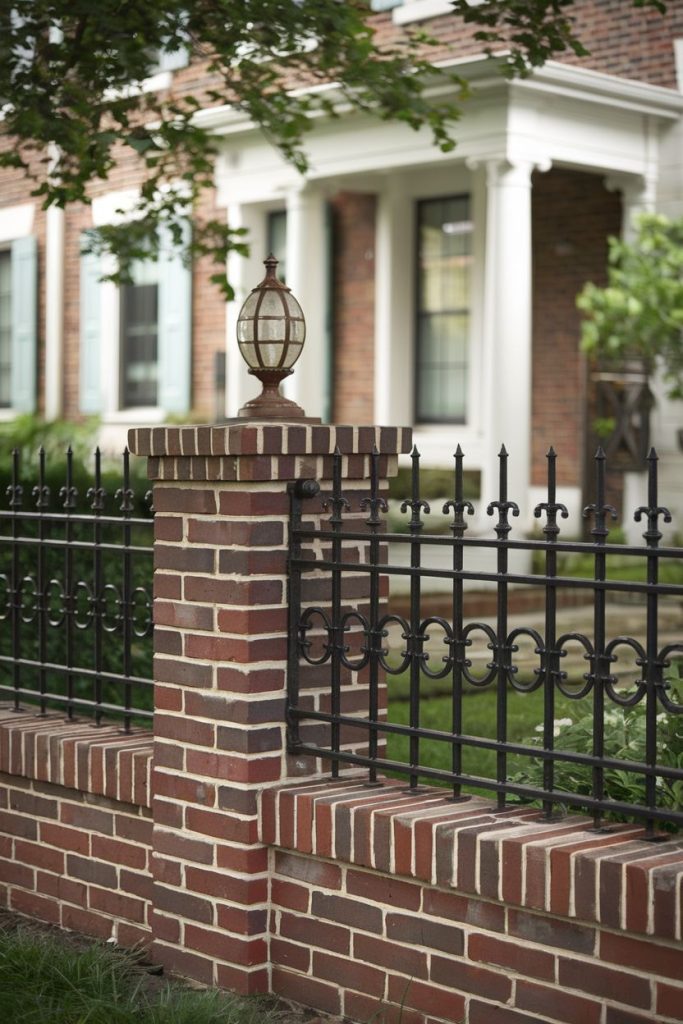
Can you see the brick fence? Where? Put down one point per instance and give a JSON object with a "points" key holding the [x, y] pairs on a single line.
{"points": [[244, 867]]}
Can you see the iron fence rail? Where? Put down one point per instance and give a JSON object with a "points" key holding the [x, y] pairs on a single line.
{"points": [[347, 637], [75, 592]]}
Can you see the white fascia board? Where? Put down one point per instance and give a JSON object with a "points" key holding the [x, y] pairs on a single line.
{"points": [[582, 84], [16, 221], [484, 75]]}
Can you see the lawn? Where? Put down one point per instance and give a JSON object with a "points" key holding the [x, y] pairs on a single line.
{"points": [[525, 712], [51, 978]]}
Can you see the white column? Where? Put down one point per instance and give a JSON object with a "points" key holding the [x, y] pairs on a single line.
{"points": [[244, 273], [507, 326], [54, 312], [394, 357], [307, 276], [54, 306]]}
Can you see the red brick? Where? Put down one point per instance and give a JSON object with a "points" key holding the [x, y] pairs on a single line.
{"points": [[231, 532], [229, 948], [392, 891], [182, 904], [532, 962], [427, 998], [90, 871], [559, 1005], [40, 856], [306, 990], [550, 931], [184, 499], [320, 874], [250, 860], [390, 954], [327, 936], [60, 888], [289, 895], [241, 920], [191, 790], [182, 847], [464, 909], [116, 904], [224, 886], [670, 1000], [183, 615], [87, 922], [183, 963], [165, 928], [641, 955], [420, 931], [348, 974], [597, 980], [487, 1013], [184, 730], [456, 974], [347, 911], [33, 905], [118, 852], [290, 955], [89, 818]]}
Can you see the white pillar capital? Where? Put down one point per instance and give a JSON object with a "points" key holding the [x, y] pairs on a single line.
{"points": [[639, 194]]}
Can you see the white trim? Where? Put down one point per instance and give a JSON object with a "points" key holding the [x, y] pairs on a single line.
{"points": [[114, 207], [54, 311], [421, 10], [678, 57], [16, 221]]}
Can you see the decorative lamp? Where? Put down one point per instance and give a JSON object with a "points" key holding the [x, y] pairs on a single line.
{"points": [[270, 332]]}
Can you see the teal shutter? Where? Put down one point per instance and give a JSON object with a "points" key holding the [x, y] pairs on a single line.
{"points": [[90, 391], [175, 326], [24, 317]]}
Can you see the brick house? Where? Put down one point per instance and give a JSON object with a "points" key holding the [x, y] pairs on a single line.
{"points": [[479, 347]]}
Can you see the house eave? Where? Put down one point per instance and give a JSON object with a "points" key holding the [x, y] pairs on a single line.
{"points": [[484, 75]]}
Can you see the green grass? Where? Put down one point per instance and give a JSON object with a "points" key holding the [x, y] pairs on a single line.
{"points": [[46, 980], [524, 713]]}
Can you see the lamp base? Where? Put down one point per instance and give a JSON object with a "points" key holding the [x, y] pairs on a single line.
{"points": [[279, 408], [270, 404]]}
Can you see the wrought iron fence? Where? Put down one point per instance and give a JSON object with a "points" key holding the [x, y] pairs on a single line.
{"points": [[75, 591], [617, 747]]}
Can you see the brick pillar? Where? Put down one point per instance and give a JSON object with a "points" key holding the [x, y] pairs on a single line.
{"points": [[220, 612]]}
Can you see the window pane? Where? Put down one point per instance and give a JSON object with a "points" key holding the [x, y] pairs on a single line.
{"points": [[5, 329], [444, 261], [139, 356]]}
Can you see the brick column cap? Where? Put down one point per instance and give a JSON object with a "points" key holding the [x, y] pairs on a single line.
{"points": [[267, 438]]}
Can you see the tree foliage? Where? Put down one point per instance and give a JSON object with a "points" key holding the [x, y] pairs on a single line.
{"points": [[638, 315], [71, 74]]}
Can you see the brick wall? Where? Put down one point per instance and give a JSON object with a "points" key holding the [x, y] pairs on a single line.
{"points": [[622, 40], [75, 825], [572, 216], [438, 912]]}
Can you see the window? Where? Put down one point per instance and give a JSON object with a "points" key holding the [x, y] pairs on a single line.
{"points": [[139, 325], [276, 230], [5, 329], [148, 357], [444, 264], [18, 314]]}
